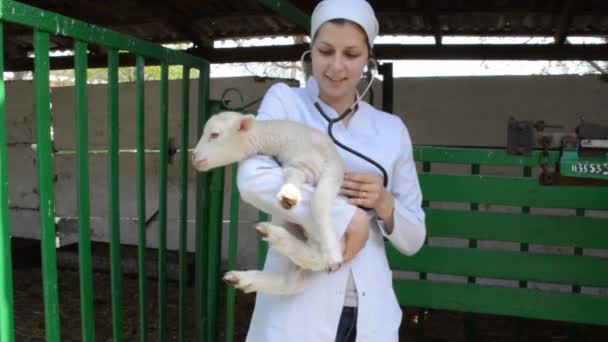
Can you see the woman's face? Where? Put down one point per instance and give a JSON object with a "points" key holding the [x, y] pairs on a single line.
{"points": [[339, 53]]}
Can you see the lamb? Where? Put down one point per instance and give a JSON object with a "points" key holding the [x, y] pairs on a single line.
{"points": [[306, 156]]}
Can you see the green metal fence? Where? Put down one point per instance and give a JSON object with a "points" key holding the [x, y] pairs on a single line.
{"points": [[44, 24]]}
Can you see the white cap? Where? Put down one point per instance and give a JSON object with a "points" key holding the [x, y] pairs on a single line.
{"points": [[358, 11]]}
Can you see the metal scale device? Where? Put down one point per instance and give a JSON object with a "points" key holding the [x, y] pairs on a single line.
{"points": [[583, 156]]}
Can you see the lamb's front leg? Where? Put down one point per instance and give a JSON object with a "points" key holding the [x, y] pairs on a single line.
{"points": [[289, 195]]}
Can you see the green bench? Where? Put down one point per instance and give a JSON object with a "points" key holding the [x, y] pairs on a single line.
{"points": [[517, 221]]}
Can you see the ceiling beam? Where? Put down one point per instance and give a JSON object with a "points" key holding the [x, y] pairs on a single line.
{"points": [[289, 11], [432, 20], [428, 52], [382, 51], [565, 20]]}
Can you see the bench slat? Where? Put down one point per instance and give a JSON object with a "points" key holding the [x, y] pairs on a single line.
{"points": [[584, 232], [510, 191], [569, 307], [481, 156], [561, 269]]}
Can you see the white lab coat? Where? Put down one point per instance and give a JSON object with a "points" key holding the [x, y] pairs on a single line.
{"points": [[313, 315]]}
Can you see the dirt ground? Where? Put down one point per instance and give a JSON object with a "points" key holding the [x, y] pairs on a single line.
{"points": [[418, 325]]}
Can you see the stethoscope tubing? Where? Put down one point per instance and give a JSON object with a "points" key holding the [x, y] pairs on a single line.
{"points": [[331, 122]]}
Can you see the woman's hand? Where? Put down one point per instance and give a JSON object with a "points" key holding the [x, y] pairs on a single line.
{"points": [[367, 190], [363, 189], [356, 235]]}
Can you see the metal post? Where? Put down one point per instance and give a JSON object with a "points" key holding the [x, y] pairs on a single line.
{"points": [[141, 198], [183, 217], [162, 205], [114, 188], [202, 204], [82, 162], [7, 323], [45, 184]]}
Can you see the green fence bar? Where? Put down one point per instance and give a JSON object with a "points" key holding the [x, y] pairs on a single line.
{"points": [[573, 331], [82, 179], [113, 182], [232, 252], [7, 329], [523, 247], [469, 322], [162, 205], [214, 226], [45, 184], [262, 245], [426, 168], [141, 198], [482, 156], [183, 205], [202, 205]]}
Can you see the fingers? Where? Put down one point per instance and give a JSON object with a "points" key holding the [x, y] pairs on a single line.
{"points": [[358, 193], [362, 189], [369, 187], [362, 178]]}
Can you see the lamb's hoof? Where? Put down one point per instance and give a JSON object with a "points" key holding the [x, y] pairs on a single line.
{"points": [[243, 281], [262, 229], [231, 279], [269, 233], [289, 196], [334, 262], [287, 203], [334, 267]]}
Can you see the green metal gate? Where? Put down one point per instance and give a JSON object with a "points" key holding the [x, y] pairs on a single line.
{"points": [[44, 24]]}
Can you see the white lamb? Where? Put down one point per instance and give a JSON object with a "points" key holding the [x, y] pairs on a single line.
{"points": [[306, 156]]}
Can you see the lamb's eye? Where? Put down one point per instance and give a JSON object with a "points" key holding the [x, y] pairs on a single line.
{"points": [[213, 136]]}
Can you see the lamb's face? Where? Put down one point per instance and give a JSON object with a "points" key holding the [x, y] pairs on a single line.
{"points": [[222, 141]]}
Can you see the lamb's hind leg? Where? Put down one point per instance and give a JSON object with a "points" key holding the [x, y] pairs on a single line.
{"points": [[290, 282], [289, 195], [325, 193], [302, 253]]}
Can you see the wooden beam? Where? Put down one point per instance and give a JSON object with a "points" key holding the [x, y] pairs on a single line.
{"points": [[410, 52], [289, 11], [565, 20], [432, 20], [386, 52]]}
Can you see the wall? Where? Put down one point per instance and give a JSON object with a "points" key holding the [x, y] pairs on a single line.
{"points": [[470, 111]]}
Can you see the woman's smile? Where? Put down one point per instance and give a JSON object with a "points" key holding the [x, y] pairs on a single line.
{"points": [[336, 81]]}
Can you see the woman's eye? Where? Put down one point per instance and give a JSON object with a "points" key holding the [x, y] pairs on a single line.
{"points": [[213, 136], [326, 52]]}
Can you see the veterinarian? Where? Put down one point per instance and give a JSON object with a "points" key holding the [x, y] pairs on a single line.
{"points": [[357, 302]]}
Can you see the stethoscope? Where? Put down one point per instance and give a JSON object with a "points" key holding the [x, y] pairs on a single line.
{"points": [[349, 110]]}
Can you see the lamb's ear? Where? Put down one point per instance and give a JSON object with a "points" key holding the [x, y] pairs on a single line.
{"points": [[246, 122]]}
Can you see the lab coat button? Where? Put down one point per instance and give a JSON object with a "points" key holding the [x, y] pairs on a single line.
{"points": [[363, 293]]}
